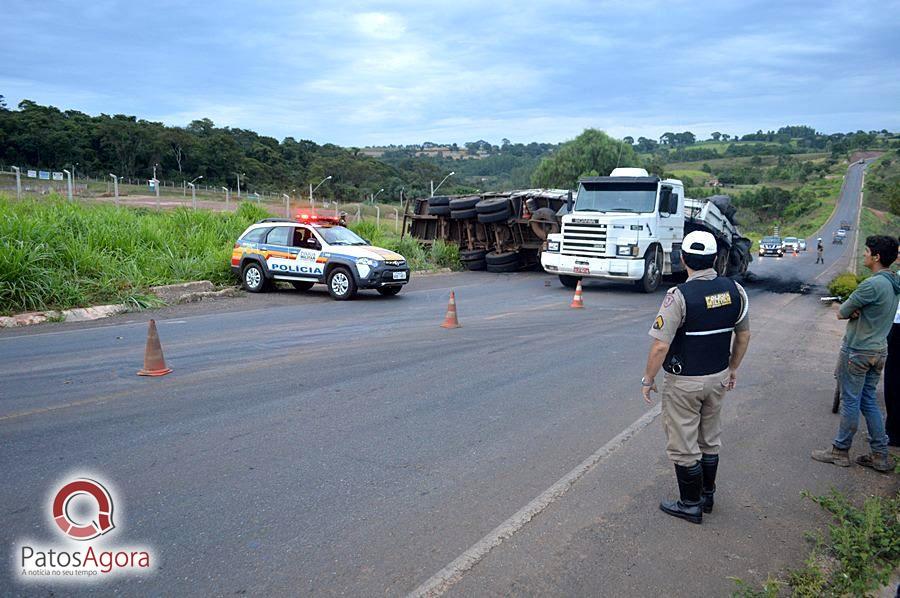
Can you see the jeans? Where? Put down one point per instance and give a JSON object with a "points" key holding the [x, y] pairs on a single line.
{"points": [[859, 372]]}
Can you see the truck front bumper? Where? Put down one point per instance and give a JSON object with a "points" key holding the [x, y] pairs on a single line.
{"points": [[588, 267]]}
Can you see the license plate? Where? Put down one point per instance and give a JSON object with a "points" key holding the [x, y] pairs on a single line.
{"points": [[582, 270], [399, 275]]}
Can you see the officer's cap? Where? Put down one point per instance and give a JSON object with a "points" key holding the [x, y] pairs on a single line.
{"points": [[699, 242]]}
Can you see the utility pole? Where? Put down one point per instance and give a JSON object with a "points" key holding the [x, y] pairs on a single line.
{"points": [[312, 203], [239, 174], [287, 205], [69, 175], [18, 183], [194, 191], [226, 196], [156, 185]]}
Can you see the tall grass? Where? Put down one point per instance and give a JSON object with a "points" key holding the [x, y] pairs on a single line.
{"points": [[56, 254]]}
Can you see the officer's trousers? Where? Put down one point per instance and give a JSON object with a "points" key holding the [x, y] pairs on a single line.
{"points": [[691, 407]]}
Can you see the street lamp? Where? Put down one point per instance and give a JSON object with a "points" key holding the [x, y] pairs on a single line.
{"points": [[433, 188], [239, 175], [194, 191], [376, 195], [156, 185], [18, 182], [115, 186], [225, 189], [69, 175], [287, 205], [312, 204]]}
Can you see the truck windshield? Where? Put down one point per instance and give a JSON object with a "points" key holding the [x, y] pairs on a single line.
{"points": [[338, 235], [616, 197]]}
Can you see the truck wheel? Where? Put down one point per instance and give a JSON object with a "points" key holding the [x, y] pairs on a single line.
{"points": [[509, 267], [652, 272], [473, 255], [496, 258], [463, 214], [464, 203], [500, 216], [722, 261], [475, 265], [439, 210], [302, 285], [439, 200], [569, 282], [341, 285], [544, 222], [494, 204], [389, 291], [253, 278]]}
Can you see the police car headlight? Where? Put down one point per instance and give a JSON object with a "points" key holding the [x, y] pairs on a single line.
{"points": [[365, 261], [552, 245]]}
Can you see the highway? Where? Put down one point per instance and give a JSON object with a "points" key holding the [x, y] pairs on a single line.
{"points": [[309, 447]]}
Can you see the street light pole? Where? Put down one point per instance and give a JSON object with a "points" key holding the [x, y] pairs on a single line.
{"points": [[69, 175], [226, 196], [194, 191], [239, 175], [156, 185], [433, 188], [115, 186], [376, 195], [287, 205], [312, 203], [18, 183]]}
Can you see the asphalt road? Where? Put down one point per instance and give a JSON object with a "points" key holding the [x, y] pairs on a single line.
{"points": [[308, 447]]}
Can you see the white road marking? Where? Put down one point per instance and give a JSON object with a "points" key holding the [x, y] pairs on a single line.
{"points": [[447, 577]]}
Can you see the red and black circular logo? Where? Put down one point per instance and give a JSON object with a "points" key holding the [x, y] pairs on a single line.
{"points": [[80, 530]]}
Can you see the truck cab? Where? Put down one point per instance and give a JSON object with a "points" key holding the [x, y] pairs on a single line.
{"points": [[627, 226]]}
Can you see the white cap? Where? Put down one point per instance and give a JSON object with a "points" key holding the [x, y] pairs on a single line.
{"points": [[699, 242]]}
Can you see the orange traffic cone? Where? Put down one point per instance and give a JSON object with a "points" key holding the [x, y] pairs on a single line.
{"points": [[154, 362], [451, 321], [576, 300]]}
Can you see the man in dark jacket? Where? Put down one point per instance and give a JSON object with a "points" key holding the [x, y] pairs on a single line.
{"points": [[870, 309]]}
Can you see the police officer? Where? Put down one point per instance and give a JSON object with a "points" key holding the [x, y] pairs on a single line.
{"points": [[820, 250], [700, 336]]}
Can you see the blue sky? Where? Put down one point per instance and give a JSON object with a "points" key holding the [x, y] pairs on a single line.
{"points": [[366, 73]]}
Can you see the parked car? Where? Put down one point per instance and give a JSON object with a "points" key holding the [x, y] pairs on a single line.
{"points": [[771, 246], [802, 244], [791, 244]]}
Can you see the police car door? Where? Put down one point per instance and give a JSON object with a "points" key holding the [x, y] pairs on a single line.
{"points": [[307, 251]]}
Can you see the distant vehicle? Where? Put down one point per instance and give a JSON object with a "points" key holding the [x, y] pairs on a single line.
{"points": [[314, 250], [802, 244], [771, 246], [838, 236], [791, 244], [845, 225]]}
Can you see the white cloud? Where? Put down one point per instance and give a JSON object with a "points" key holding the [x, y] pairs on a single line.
{"points": [[379, 25]]}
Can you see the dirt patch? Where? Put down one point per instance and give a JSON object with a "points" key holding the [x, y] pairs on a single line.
{"points": [[881, 215], [857, 156]]}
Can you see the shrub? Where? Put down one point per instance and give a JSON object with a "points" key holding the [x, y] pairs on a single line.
{"points": [[843, 284]]}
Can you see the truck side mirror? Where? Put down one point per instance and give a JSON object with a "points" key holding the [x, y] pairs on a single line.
{"points": [[570, 202], [664, 196], [673, 204]]}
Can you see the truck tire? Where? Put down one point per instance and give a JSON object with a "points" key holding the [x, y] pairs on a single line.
{"points": [[472, 256], [570, 282], [253, 278], [341, 284], [496, 258], [439, 200], [475, 265], [491, 205], [499, 216], [464, 203], [652, 272], [499, 268], [463, 214], [302, 285], [544, 223], [439, 210], [722, 261]]}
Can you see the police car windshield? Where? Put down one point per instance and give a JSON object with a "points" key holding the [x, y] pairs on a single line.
{"points": [[338, 235], [636, 198]]}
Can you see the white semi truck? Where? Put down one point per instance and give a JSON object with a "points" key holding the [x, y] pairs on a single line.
{"points": [[628, 226]]}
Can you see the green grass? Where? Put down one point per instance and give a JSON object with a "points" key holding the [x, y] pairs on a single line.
{"points": [[872, 223]]}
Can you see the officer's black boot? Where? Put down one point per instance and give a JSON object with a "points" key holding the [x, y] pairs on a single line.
{"points": [[690, 486], [709, 463]]}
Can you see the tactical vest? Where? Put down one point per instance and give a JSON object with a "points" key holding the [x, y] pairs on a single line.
{"points": [[702, 346]]}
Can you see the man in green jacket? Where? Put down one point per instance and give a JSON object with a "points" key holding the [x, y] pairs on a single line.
{"points": [[871, 310]]}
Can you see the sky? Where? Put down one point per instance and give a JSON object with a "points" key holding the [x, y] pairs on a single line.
{"points": [[408, 71]]}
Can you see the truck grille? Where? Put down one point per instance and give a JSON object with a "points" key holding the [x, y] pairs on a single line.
{"points": [[583, 239]]}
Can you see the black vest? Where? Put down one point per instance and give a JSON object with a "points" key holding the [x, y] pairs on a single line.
{"points": [[702, 345]]}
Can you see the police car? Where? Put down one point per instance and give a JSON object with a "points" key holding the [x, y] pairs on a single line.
{"points": [[314, 250]]}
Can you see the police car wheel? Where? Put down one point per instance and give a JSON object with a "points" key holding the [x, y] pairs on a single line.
{"points": [[253, 278], [389, 291], [302, 285], [341, 285]]}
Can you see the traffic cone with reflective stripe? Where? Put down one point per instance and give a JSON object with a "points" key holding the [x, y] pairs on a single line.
{"points": [[576, 300], [451, 321], [154, 362]]}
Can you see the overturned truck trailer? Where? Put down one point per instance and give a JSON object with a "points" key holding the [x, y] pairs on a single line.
{"points": [[498, 232]]}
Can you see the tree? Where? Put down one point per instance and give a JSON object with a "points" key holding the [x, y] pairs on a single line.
{"points": [[645, 145], [667, 138], [725, 136], [593, 150], [715, 135], [628, 139]]}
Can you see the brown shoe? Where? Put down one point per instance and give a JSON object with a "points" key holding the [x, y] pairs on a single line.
{"points": [[834, 456], [877, 461]]}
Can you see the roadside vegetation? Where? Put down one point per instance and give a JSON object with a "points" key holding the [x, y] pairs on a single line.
{"points": [[855, 558]]}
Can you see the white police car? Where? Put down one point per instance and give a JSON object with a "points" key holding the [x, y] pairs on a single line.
{"points": [[315, 250]]}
